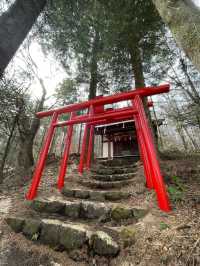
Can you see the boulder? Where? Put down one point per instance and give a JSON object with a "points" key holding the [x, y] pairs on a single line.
{"points": [[82, 194], [50, 232], [31, 227], [97, 195], [73, 236], [120, 213], [93, 210], [116, 195], [103, 244], [139, 213], [68, 192], [72, 209], [50, 206]]}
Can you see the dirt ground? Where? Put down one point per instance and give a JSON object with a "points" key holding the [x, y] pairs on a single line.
{"points": [[161, 238]]}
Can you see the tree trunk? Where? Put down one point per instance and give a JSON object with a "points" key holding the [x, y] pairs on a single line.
{"points": [[196, 95], [15, 23], [27, 130], [194, 144], [182, 136], [136, 62], [6, 150], [183, 20], [94, 68], [93, 80], [25, 158]]}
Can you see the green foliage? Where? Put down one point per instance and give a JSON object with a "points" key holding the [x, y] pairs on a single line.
{"points": [[100, 36], [128, 236], [176, 195], [163, 225], [35, 237], [176, 190], [177, 181], [67, 92]]}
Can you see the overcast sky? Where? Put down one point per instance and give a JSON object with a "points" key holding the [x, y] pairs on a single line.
{"points": [[49, 69], [196, 2]]}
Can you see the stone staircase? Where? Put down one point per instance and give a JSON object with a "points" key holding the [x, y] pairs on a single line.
{"points": [[94, 215]]}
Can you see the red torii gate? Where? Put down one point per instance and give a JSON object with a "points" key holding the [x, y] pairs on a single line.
{"points": [[98, 116]]}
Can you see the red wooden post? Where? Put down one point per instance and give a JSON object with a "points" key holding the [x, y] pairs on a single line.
{"points": [[63, 166], [91, 138], [143, 154], [83, 149], [159, 185], [42, 159], [90, 147], [109, 149]]}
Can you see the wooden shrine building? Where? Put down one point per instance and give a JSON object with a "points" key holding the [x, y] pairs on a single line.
{"points": [[118, 140]]}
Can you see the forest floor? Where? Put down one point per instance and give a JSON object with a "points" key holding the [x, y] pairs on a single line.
{"points": [[162, 238]]}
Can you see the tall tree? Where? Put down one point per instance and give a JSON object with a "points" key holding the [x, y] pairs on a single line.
{"points": [[27, 127], [134, 27], [183, 19], [9, 92], [75, 33], [15, 23]]}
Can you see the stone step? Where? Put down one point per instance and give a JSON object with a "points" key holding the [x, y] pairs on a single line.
{"points": [[105, 185], [103, 212], [66, 236], [113, 170], [113, 178], [95, 194], [117, 162]]}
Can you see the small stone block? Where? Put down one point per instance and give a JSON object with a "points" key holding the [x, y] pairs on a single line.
{"points": [[72, 236], [50, 232], [139, 213], [121, 213], [31, 227], [92, 210], [103, 244], [72, 209], [97, 195], [68, 192], [113, 195], [82, 194], [54, 206]]}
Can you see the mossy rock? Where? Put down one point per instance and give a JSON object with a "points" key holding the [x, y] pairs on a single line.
{"points": [[120, 213], [103, 244], [72, 209], [50, 232], [127, 236], [48, 206], [139, 213], [73, 236], [15, 223], [116, 195], [97, 196], [31, 227], [91, 210], [82, 194], [68, 192], [38, 205]]}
